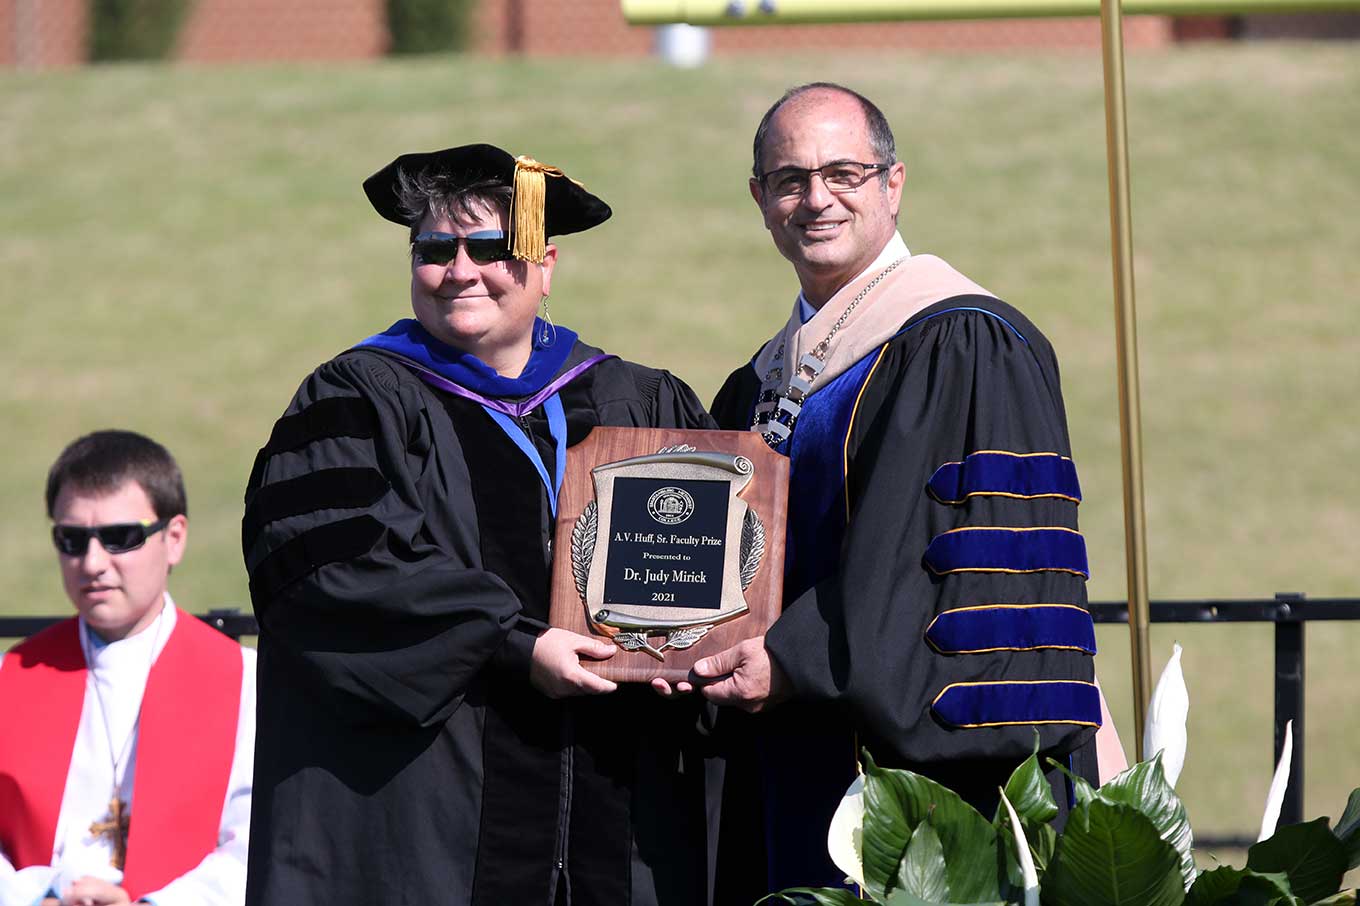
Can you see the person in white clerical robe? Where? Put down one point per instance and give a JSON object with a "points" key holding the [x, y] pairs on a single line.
{"points": [[130, 778]]}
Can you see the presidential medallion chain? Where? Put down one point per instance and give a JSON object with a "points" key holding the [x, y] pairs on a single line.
{"points": [[775, 413]]}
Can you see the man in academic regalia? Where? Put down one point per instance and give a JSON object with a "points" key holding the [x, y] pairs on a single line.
{"points": [[125, 766], [935, 578]]}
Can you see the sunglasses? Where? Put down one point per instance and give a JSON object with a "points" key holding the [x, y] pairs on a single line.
{"points": [[74, 540], [483, 247]]}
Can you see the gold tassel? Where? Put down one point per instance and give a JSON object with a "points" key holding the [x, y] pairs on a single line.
{"points": [[527, 207]]}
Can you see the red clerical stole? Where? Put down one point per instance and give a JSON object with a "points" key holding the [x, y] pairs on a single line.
{"points": [[185, 745]]}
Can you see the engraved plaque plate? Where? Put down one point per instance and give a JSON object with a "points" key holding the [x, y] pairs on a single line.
{"points": [[667, 542], [671, 550]]}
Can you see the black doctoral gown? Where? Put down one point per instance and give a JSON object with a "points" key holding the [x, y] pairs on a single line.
{"points": [[398, 544], [934, 588]]}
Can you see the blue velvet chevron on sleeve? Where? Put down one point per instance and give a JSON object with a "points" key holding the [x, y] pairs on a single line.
{"points": [[1008, 550], [1012, 627], [994, 704], [1006, 474]]}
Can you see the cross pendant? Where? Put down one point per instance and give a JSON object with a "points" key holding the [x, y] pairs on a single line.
{"points": [[115, 828]]}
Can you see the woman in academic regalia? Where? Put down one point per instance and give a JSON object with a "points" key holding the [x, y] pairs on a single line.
{"points": [[423, 736]]}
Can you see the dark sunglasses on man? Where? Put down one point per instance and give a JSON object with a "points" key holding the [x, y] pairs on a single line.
{"points": [[483, 247], [119, 538]]}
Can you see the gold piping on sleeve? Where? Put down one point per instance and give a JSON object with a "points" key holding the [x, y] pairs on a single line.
{"points": [[1013, 572], [938, 499], [850, 428], [1024, 723], [959, 462], [1003, 607], [1009, 528]]}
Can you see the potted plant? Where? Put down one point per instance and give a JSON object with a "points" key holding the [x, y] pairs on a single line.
{"points": [[908, 841]]}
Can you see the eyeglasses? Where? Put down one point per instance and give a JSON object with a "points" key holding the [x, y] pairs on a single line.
{"points": [[483, 247], [839, 177], [74, 540]]}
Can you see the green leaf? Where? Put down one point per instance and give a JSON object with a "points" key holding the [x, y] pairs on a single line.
{"points": [[1344, 898], [1144, 787], [1222, 885], [887, 829], [1347, 830], [922, 870], [1350, 818], [1110, 854], [1042, 841], [1082, 790], [905, 898], [821, 896], [896, 802], [1309, 853], [1029, 792], [1031, 796], [1041, 838], [1259, 890]]}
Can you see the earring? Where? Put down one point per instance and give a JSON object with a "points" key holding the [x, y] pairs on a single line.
{"points": [[548, 335]]}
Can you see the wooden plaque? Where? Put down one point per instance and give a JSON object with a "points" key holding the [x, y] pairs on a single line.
{"points": [[670, 542]]}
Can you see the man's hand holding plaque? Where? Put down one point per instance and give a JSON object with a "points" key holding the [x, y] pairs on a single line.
{"points": [[744, 676], [669, 544]]}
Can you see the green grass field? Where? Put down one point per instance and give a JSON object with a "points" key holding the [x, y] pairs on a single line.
{"points": [[182, 245]]}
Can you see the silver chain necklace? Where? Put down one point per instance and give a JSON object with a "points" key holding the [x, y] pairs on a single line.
{"points": [[778, 412]]}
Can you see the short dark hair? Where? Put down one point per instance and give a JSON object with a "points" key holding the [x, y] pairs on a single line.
{"points": [[880, 133], [104, 461], [446, 194]]}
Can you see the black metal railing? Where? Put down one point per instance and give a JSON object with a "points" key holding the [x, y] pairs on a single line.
{"points": [[1289, 612], [230, 621]]}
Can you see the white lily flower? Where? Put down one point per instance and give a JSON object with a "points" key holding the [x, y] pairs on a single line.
{"points": [[845, 837], [1167, 713], [1026, 860], [1278, 784]]}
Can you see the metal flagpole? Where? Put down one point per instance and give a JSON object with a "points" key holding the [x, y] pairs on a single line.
{"points": [[1126, 341]]}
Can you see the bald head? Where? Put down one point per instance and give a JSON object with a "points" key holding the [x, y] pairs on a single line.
{"points": [[813, 94], [827, 185]]}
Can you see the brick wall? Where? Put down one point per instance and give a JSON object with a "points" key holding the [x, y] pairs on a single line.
{"points": [[351, 29], [1139, 31], [54, 32], [1340, 26], [238, 30], [40, 33], [554, 27], [7, 34]]}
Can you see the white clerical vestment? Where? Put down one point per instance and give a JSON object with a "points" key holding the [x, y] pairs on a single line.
{"points": [[116, 679]]}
